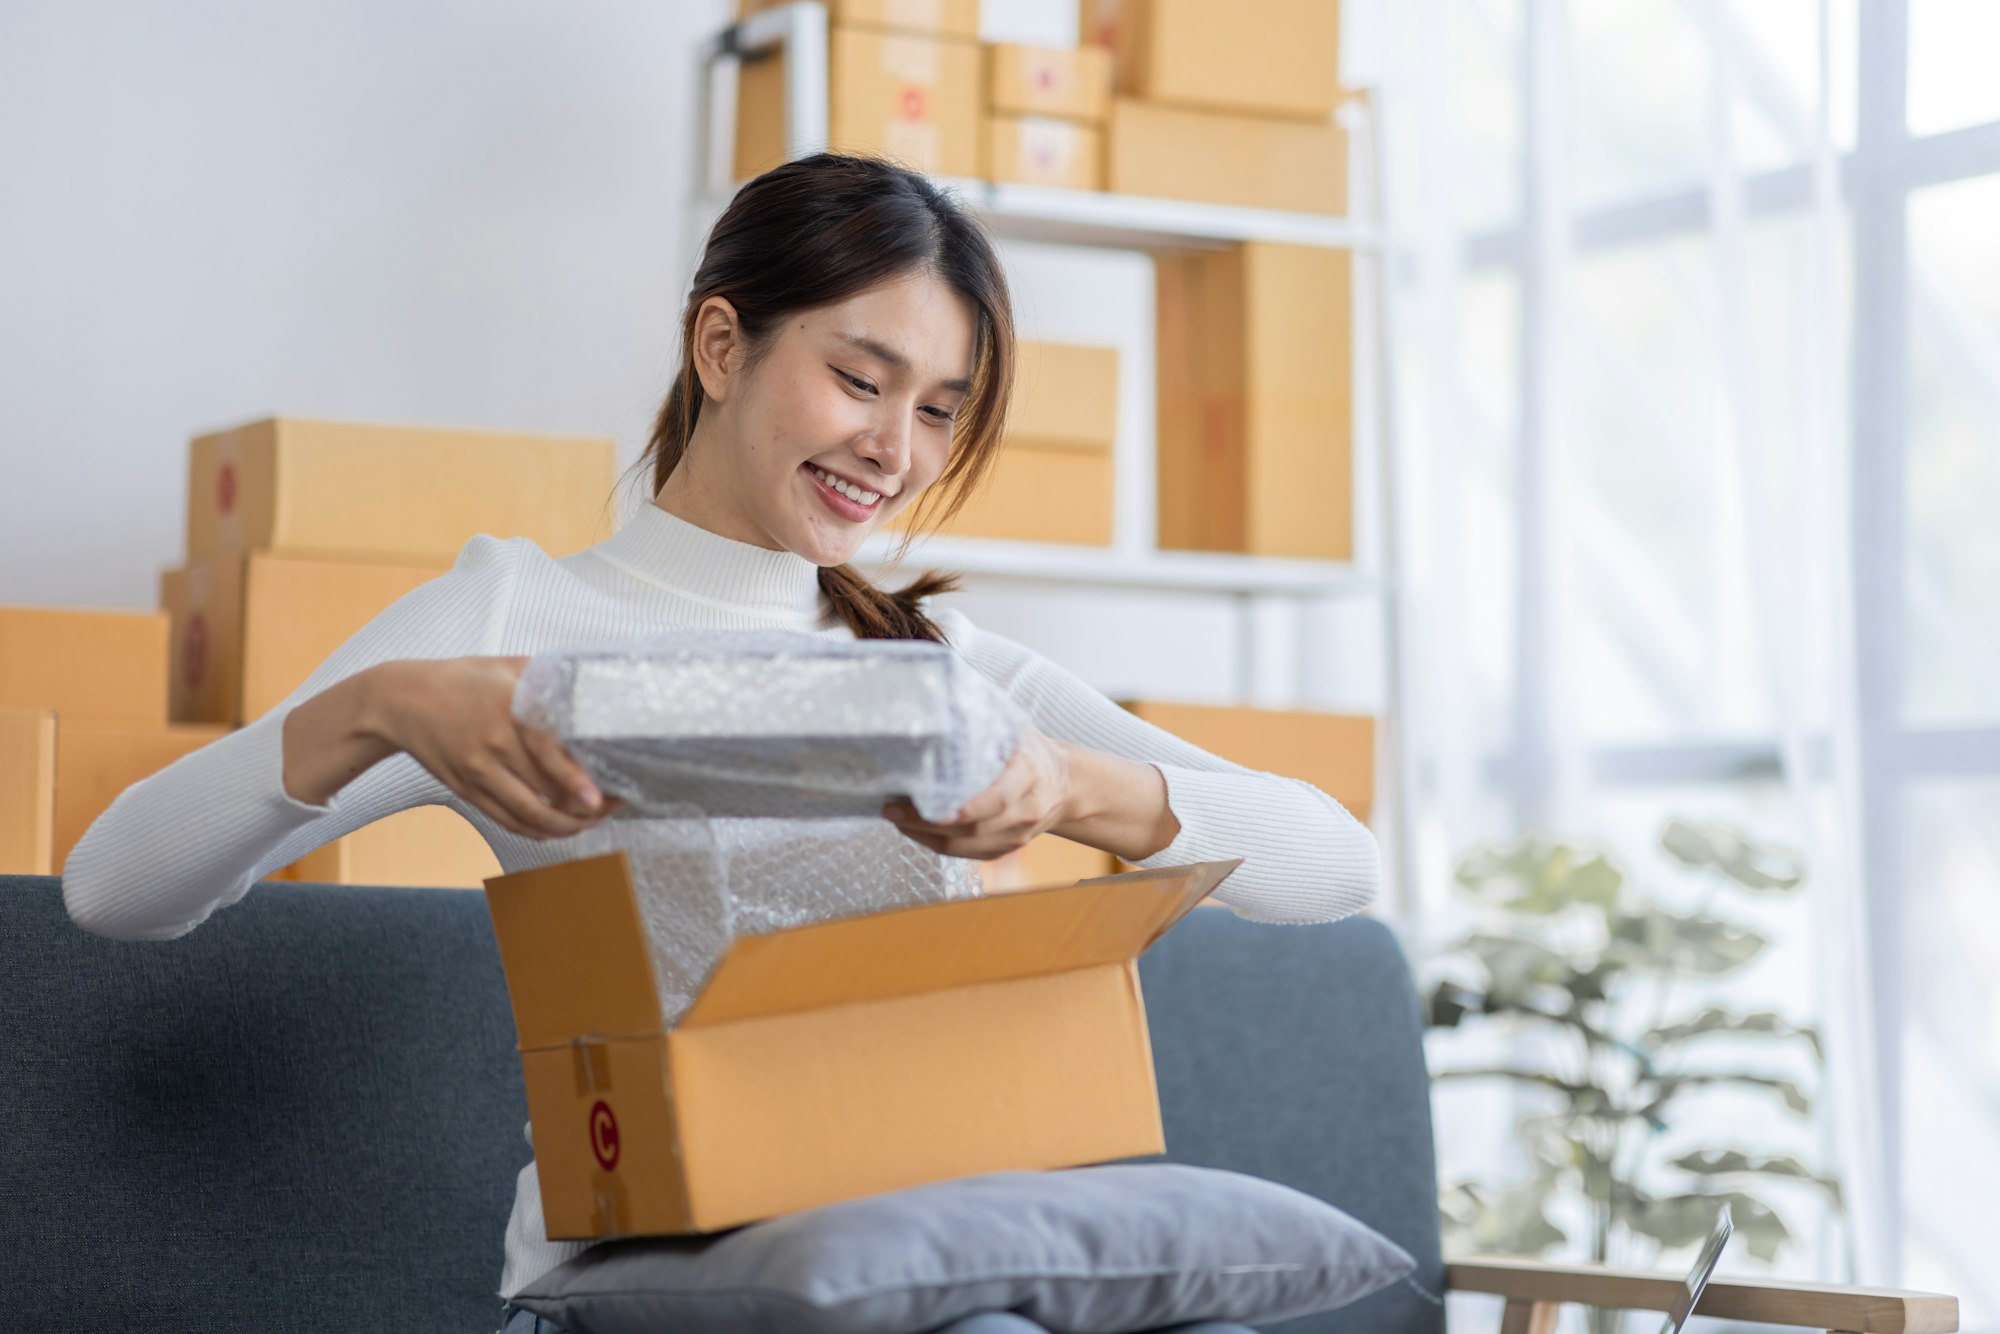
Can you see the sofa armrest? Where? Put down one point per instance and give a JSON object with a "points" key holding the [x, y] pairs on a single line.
{"points": [[1534, 1290]]}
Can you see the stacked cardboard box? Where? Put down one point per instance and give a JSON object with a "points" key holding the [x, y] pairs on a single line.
{"points": [[301, 532], [902, 81], [1255, 390], [1053, 479], [1334, 752], [1221, 105], [1045, 113], [83, 716]]}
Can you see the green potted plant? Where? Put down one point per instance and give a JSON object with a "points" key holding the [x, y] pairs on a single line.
{"points": [[1571, 948]]}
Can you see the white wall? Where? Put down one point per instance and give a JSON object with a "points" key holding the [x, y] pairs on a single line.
{"points": [[448, 211]]}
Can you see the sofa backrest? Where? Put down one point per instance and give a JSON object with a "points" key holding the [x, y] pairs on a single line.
{"points": [[1295, 1053], [307, 1113]]}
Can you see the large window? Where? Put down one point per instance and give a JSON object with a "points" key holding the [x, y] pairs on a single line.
{"points": [[1698, 340]]}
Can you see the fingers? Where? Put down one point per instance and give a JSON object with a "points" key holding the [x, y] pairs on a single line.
{"points": [[579, 796]]}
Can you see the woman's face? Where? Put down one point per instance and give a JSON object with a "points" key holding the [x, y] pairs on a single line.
{"points": [[845, 419]]}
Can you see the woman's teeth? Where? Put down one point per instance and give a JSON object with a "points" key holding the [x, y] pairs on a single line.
{"points": [[848, 489]]}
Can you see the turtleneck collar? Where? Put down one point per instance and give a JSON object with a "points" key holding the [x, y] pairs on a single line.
{"points": [[667, 551]]}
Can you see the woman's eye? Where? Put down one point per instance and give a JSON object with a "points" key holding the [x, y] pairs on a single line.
{"points": [[858, 382], [940, 416]]}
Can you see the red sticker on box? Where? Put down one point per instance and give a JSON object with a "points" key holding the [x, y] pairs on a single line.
{"points": [[225, 488], [604, 1135], [913, 104]]}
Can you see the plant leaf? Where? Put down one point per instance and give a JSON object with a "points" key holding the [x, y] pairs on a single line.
{"points": [[1714, 1019], [1759, 868], [1517, 967], [1696, 943], [1671, 1086], [1684, 1220], [1540, 874], [1734, 1162]]}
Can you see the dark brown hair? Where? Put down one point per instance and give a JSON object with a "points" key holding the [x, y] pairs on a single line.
{"points": [[815, 231]]}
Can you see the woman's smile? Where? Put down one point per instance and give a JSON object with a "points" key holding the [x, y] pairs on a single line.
{"points": [[855, 504]]}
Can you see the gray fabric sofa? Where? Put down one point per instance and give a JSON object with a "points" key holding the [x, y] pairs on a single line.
{"points": [[306, 1114]]}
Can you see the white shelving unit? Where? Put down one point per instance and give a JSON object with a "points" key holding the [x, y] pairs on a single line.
{"points": [[1266, 595]]}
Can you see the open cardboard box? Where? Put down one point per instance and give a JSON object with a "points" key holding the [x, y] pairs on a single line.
{"points": [[829, 1061]]}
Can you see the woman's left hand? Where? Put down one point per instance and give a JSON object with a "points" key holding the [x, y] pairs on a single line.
{"points": [[1030, 797]]}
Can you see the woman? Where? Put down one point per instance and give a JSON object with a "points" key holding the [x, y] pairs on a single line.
{"points": [[847, 354]]}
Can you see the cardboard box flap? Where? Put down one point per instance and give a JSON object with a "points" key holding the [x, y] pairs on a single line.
{"points": [[957, 943], [575, 952]]}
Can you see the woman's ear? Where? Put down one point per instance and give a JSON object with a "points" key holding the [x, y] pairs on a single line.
{"points": [[718, 347]]}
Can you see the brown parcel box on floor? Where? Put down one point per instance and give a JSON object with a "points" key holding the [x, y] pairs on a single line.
{"points": [[414, 494], [95, 762], [27, 791], [433, 847], [249, 630], [109, 666], [829, 1061]]}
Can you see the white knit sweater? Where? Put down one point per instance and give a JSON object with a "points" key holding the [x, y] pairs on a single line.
{"points": [[195, 836]]}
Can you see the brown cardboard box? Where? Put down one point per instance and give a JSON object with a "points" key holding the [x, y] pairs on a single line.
{"points": [[1335, 752], [96, 761], [1040, 495], [1041, 150], [1221, 157], [106, 666], [27, 791], [249, 630], [1283, 59], [1255, 414], [410, 494], [1044, 861], [945, 18], [1053, 479], [829, 1061], [1065, 396], [1072, 82], [425, 846], [911, 98]]}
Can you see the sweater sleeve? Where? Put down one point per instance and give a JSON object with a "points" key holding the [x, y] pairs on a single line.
{"points": [[194, 836], [1306, 858]]}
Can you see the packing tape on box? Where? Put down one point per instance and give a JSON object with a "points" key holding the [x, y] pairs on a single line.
{"points": [[592, 1062], [611, 1204], [752, 767]]}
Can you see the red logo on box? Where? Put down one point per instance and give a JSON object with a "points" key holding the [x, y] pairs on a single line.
{"points": [[913, 104], [194, 651], [604, 1135], [225, 488]]}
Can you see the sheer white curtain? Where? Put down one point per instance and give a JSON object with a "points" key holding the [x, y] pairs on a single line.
{"points": [[1628, 419]]}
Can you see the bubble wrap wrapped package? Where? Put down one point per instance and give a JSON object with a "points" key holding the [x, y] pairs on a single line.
{"points": [[753, 767]]}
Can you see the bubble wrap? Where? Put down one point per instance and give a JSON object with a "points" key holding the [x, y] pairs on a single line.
{"points": [[753, 767], [774, 724]]}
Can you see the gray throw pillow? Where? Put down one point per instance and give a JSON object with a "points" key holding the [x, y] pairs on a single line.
{"points": [[1085, 1250]]}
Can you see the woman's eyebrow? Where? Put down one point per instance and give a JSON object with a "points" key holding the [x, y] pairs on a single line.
{"points": [[894, 358]]}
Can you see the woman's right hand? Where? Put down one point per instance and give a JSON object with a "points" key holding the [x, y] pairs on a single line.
{"points": [[455, 716]]}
